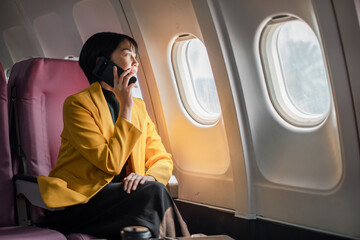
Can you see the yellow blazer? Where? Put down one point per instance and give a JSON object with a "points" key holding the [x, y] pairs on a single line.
{"points": [[93, 150]]}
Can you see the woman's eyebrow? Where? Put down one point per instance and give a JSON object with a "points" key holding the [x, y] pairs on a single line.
{"points": [[128, 49]]}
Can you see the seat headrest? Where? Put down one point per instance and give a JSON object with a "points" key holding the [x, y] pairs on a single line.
{"points": [[48, 76]]}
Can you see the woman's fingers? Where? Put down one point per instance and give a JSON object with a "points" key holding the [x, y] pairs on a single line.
{"points": [[122, 79], [147, 178], [128, 180], [132, 181], [125, 77], [143, 180], [123, 93], [116, 77], [135, 183]]}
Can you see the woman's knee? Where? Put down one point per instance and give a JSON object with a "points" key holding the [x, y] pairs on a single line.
{"points": [[155, 187], [155, 184]]}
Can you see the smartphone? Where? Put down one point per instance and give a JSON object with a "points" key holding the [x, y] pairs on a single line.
{"points": [[104, 70]]}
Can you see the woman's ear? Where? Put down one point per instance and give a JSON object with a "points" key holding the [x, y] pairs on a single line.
{"points": [[97, 59]]}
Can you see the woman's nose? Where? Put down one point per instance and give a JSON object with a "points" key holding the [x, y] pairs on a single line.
{"points": [[135, 62]]}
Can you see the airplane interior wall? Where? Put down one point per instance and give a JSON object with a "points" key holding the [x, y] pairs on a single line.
{"points": [[251, 160], [280, 150], [202, 164]]}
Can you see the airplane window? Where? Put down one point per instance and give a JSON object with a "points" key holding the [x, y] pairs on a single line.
{"points": [[295, 70], [195, 80]]}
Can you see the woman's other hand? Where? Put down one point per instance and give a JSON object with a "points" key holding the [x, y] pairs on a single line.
{"points": [[132, 181]]}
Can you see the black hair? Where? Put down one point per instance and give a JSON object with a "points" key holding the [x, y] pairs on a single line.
{"points": [[100, 44]]}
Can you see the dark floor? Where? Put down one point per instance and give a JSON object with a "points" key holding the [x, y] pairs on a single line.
{"points": [[209, 221]]}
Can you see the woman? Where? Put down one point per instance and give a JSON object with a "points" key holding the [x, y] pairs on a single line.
{"points": [[108, 142]]}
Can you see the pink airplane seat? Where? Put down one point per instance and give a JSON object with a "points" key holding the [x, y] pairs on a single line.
{"points": [[38, 88], [8, 230], [41, 88]]}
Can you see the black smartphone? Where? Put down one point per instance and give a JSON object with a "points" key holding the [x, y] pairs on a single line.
{"points": [[104, 70]]}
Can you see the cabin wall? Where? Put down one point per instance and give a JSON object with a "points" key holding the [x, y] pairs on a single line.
{"points": [[292, 169], [201, 155], [251, 161]]}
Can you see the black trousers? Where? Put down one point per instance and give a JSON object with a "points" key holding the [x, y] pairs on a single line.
{"points": [[112, 209]]}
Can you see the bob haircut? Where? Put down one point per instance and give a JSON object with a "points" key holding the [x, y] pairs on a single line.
{"points": [[100, 44]]}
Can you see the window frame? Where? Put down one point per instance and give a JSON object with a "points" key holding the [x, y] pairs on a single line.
{"points": [[185, 84], [274, 77]]}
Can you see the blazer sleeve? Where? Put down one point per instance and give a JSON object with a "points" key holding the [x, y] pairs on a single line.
{"points": [[157, 160], [84, 133]]}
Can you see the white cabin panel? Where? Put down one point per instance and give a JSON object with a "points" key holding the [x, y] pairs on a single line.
{"points": [[299, 175], [201, 156]]}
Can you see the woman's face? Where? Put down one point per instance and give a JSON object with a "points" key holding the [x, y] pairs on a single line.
{"points": [[125, 56]]}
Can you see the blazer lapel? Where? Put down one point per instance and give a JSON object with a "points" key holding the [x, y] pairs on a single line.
{"points": [[105, 116], [137, 119]]}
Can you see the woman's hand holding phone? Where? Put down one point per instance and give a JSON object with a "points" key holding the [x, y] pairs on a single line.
{"points": [[123, 92], [121, 81]]}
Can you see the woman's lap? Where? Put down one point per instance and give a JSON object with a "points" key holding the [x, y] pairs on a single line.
{"points": [[112, 209]]}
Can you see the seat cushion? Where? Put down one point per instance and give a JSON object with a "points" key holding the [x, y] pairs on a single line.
{"points": [[29, 233]]}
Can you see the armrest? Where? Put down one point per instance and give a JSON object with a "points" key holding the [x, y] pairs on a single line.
{"points": [[173, 186], [25, 177], [28, 187]]}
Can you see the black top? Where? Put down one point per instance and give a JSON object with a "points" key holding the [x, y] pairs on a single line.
{"points": [[114, 107], [113, 103]]}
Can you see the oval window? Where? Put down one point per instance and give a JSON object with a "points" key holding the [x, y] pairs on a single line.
{"points": [[195, 80], [295, 72]]}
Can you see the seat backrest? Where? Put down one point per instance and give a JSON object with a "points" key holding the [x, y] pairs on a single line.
{"points": [[6, 184], [42, 85]]}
